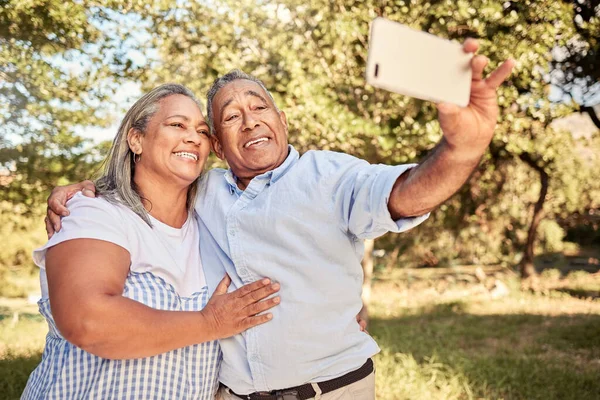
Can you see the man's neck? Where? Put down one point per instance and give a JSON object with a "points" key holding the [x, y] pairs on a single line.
{"points": [[243, 182]]}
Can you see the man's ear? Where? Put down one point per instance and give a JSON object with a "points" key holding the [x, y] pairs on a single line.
{"points": [[215, 143], [283, 119], [134, 140]]}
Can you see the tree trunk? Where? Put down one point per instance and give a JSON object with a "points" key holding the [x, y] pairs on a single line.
{"points": [[392, 260], [526, 265], [367, 267], [591, 111]]}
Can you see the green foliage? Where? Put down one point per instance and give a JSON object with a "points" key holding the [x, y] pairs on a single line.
{"points": [[21, 232], [551, 274], [551, 236], [313, 58], [54, 76], [60, 66], [576, 70]]}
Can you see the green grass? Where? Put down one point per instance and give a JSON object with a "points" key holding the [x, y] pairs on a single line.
{"points": [[15, 370], [439, 341], [22, 338], [463, 344]]}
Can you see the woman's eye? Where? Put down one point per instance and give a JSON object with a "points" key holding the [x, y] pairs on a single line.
{"points": [[203, 132], [177, 125], [231, 117]]}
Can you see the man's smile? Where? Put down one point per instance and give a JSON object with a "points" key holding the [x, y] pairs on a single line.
{"points": [[256, 142]]}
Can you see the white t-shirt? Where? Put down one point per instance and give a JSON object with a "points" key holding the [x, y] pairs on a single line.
{"points": [[169, 253]]}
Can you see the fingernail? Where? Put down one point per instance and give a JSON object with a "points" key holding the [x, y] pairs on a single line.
{"points": [[269, 316], [65, 214], [276, 300], [275, 286], [266, 281], [56, 228]]}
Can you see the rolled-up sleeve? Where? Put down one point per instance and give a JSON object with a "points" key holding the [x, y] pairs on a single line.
{"points": [[361, 192]]}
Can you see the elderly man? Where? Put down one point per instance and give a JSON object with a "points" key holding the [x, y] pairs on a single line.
{"points": [[301, 220]]}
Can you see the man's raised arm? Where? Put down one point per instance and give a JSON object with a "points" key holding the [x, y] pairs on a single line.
{"points": [[467, 131]]}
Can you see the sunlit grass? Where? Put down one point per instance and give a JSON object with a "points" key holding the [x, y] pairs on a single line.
{"points": [[441, 338], [22, 336], [457, 342]]}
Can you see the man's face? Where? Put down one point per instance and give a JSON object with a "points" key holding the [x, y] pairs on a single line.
{"points": [[250, 133]]}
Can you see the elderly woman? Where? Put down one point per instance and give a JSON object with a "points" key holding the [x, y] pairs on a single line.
{"points": [[123, 286]]}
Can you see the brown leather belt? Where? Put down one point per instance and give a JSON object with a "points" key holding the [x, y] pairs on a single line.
{"points": [[306, 391]]}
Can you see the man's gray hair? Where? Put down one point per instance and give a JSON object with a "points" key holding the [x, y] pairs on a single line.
{"points": [[223, 81], [116, 182]]}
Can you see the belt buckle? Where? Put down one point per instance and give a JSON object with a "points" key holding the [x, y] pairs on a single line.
{"points": [[286, 394]]}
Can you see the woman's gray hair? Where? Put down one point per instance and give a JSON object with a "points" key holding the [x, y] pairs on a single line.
{"points": [[116, 182], [220, 83]]}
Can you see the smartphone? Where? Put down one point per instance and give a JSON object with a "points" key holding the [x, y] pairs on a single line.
{"points": [[418, 64]]}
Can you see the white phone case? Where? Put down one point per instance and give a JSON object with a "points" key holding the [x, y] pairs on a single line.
{"points": [[418, 64]]}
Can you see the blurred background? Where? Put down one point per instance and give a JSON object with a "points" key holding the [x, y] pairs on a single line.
{"points": [[495, 296]]}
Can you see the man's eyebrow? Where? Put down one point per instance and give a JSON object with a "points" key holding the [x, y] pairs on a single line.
{"points": [[228, 102], [247, 93], [255, 94]]}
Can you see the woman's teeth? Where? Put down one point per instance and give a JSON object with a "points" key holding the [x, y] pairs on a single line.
{"points": [[184, 154]]}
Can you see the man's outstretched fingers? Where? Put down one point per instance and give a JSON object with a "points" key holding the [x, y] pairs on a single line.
{"points": [[478, 64], [470, 45], [500, 74]]}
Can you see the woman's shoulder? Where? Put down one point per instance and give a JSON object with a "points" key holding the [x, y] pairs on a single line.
{"points": [[96, 208], [89, 218]]}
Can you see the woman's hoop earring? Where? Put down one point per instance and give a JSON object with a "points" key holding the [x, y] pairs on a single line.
{"points": [[136, 158]]}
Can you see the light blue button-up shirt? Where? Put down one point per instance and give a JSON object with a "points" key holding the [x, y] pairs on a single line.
{"points": [[302, 225]]}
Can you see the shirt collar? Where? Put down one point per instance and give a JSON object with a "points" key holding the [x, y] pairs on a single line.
{"points": [[272, 175], [283, 168]]}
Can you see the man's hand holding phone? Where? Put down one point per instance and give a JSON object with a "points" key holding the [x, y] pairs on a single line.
{"points": [[427, 67], [469, 130]]}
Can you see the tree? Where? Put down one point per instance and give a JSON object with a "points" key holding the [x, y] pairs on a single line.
{"points": [[313, 57], [576, 67], [57, 68]]}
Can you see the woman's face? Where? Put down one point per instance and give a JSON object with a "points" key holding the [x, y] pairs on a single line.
{"points": [[176, 144]]}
